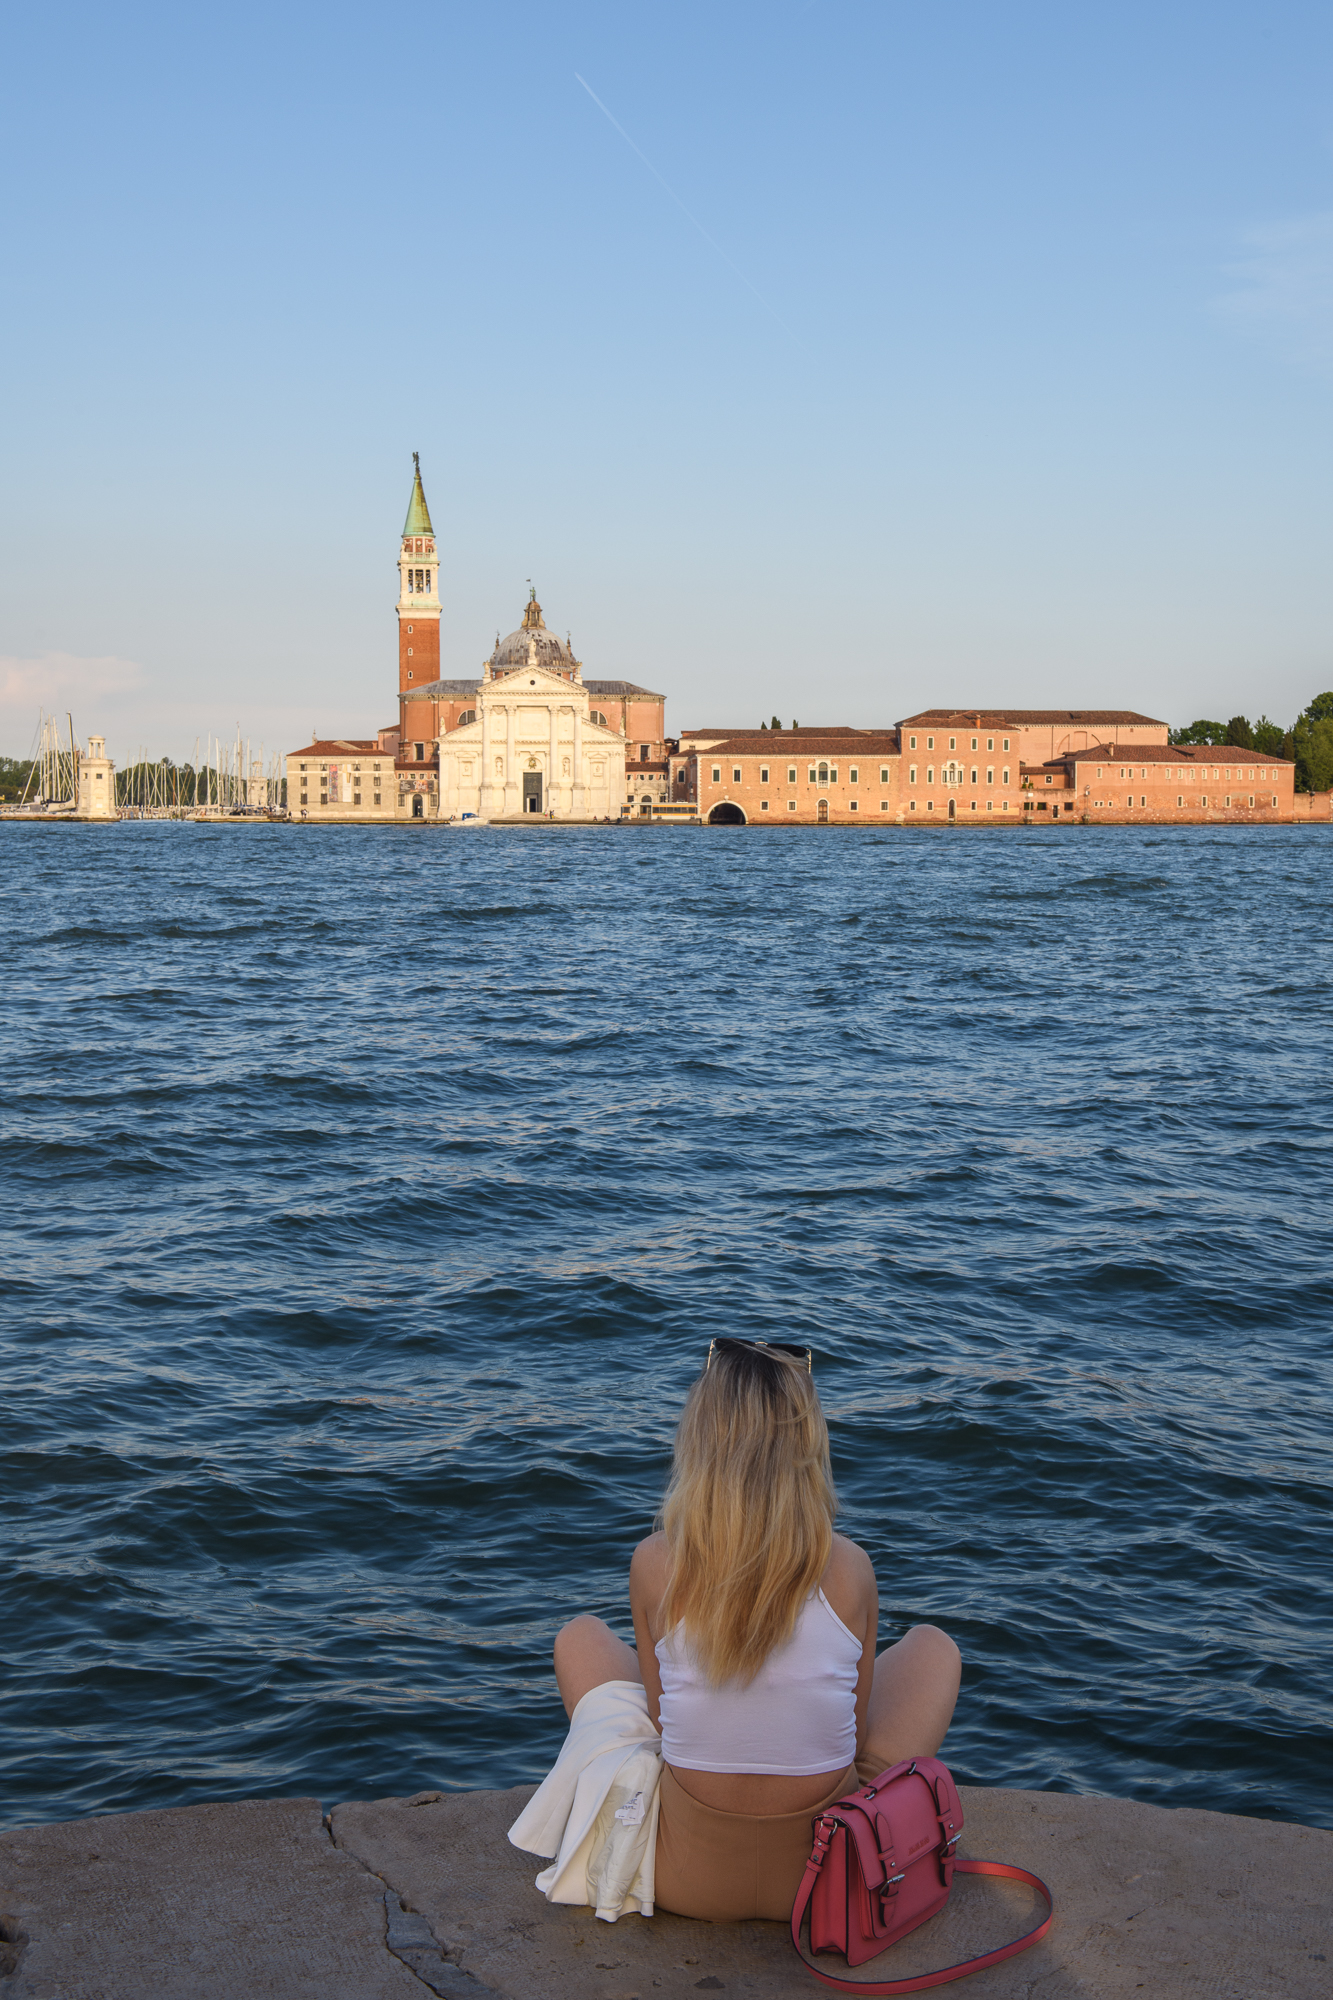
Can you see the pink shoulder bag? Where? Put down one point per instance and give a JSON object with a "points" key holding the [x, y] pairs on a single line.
{"points": [[882, 1863]]}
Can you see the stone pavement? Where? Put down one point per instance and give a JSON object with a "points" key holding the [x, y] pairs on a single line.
{"points": [[406, 1897]]}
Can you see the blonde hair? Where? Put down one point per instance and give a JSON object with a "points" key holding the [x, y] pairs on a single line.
{"points": [[748, 1512]]}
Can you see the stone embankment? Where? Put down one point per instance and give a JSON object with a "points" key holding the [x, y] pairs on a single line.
{"points": [[396, 1899]]}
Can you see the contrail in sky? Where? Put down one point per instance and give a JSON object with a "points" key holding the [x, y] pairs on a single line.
{"points": [[711, 241]]}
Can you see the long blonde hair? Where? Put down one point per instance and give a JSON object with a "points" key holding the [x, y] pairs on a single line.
{"points": [[748, 1512]]}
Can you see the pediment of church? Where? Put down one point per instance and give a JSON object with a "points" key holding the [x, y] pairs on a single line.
{"points": [[530, 680]]}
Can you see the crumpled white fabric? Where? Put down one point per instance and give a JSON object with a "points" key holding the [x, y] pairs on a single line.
{"points": [[596, 1808]]}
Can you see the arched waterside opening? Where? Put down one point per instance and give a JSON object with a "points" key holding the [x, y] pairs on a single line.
{"points": [[726, 815]]}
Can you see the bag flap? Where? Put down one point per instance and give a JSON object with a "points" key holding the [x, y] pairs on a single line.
{"points": [[897, 1826]]}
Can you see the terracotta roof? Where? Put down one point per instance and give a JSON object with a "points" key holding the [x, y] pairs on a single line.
{"points": [[808, 743], [1172, 753], [787, 735], [1026, 716], [342, 746]]}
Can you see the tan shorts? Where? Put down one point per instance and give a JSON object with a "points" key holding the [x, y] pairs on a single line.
{"points": [[724, 1866]]}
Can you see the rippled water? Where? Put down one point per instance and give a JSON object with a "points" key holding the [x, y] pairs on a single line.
{"points": [[370, 1197]]}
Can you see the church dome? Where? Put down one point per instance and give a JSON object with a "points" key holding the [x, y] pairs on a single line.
{"points": [[533, 643]]}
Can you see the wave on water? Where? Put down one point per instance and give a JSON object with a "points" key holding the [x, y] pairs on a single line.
{"points": [[370, 1205]]}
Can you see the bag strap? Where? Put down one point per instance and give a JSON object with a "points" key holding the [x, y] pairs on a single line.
{"points": [[925, 1979]]}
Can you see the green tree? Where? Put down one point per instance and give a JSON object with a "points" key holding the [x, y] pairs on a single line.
{"points": [[14, 775], [1200, 732], [1312, 746], [1268, 738], [1239, 733], [776, 722]]}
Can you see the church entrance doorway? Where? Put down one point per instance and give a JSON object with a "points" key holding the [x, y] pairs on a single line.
{"points": [[416, 807], [822, 812], [532, 791], [726, 815]]}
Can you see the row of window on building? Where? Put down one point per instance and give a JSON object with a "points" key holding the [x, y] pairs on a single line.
{"points": [[827, 774], [930, 775], [1191, 771], [818, 774], [377, 797], [953, 743], [1181, 800]]}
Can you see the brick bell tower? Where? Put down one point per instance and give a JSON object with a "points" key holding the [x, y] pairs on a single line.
{"points": [[418, 595]]}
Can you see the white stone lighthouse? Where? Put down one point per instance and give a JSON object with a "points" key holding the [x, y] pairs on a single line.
{"points": [[97, 782]]}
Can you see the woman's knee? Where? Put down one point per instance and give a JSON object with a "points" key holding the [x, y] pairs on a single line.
{"points": [[937, 1646], [577, 1634]]}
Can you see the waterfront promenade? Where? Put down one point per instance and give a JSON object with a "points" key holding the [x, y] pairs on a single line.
{"points": [[386, 1899]]}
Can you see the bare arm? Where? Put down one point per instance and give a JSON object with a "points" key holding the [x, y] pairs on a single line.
{"points": [[647, 1580], [849, 1585]]}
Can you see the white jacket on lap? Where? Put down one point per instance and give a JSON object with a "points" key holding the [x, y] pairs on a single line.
{"points": [[596, 1809]]}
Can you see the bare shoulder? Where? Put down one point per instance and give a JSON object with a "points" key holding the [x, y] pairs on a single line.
{"points": [[649, 1561], [849, 1582], [850, 1560], [647, 1583]]}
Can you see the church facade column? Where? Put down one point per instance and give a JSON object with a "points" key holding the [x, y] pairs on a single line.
{"points": [[513, 803], [487, 789], [552, 800], [576, 804]]}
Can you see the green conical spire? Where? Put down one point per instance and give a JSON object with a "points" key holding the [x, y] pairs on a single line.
{"points": [[418, 513]]}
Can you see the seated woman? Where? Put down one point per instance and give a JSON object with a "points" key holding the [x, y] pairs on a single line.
{"points": [[755, 1627]]}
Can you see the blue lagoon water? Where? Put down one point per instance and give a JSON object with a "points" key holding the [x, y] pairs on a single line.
{"points": [[370, 1197]]}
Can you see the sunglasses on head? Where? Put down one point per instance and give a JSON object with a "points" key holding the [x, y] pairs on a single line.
{"points": [[726, 1346]]}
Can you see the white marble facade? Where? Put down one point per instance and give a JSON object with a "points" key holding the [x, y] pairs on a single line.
{"points": [[532, 749]]}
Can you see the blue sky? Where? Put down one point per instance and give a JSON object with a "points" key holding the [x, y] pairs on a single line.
{"points": [[971, 351]]}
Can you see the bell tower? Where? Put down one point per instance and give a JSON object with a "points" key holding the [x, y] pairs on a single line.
{"points": [[418, 595]]}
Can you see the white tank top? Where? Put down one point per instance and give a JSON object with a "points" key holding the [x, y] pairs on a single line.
{"points": [[797, 1716]]}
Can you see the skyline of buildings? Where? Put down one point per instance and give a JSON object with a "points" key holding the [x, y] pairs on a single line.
{"points": [[531, 736]]}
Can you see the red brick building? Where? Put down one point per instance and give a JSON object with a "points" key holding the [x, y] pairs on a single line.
{"points": [[1036, 733], [1162, 784], [973, 767], [792, 777]]}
